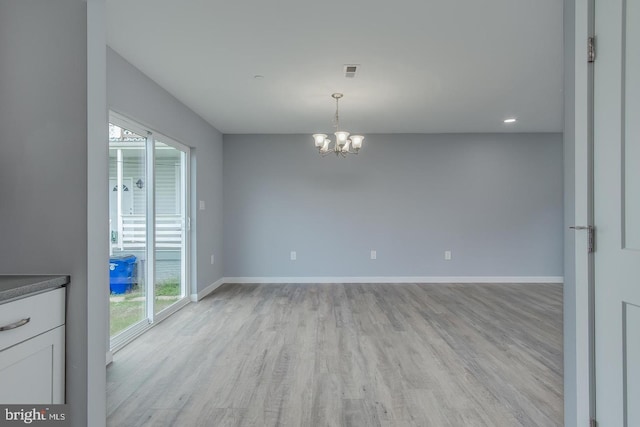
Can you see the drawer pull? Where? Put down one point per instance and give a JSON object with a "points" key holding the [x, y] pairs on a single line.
{"points": [[15, 324]]}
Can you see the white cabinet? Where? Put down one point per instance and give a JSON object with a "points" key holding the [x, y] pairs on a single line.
{"points": [[32, 355]]}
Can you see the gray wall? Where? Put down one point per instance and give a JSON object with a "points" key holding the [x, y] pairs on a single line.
{"points": [[43, 160], [494, 200], [133, 94], [569, 310]]}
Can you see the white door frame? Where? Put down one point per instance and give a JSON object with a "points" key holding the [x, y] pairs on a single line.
{"points": [[583, 197]]}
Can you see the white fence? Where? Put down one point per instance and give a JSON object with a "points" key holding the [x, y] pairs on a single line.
{"points": [[168, 236]]}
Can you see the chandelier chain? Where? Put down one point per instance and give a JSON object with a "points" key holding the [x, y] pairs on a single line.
{"points": [[337, 119]]}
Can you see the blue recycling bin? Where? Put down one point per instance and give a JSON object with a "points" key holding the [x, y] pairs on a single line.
{"points": [[121, 273]]}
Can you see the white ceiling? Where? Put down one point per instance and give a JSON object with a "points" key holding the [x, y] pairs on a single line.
{"points": [[427, 66]]}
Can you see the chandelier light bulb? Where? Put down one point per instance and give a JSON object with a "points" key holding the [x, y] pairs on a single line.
{"points": [[319, 138], [356, 141], [341, 137]]}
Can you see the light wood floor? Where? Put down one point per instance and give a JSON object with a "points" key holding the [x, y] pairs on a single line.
{"points": [[348, 355]]}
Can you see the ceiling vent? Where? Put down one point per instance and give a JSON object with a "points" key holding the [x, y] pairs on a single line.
{"points": [[350, 70]]}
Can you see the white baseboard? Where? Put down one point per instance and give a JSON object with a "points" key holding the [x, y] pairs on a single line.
{"points": [[400, 279], [378, 279], [206, 291]]}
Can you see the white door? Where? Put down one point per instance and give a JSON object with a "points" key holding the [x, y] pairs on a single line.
{"points": [[127, 197], [617, 212], [115, 217]]}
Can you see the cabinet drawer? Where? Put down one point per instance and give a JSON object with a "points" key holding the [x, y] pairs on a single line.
{"points": [[45, 311]]}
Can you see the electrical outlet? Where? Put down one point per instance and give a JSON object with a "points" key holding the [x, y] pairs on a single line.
{"points": [[294, 255], [374, 254], [447, 255], [201, 205], [212, 259]]}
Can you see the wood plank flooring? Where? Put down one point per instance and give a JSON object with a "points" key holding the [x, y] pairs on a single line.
{"points": [[348, 355]]}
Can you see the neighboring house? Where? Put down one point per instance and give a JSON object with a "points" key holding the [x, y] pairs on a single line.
{"points": [[127, 208]]}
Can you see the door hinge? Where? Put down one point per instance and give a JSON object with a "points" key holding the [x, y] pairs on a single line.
{"points": [[591, 49], [592, 235], [593, 423]]}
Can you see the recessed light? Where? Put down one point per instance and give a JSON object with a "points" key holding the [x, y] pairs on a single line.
{"points": [[511, 120]]}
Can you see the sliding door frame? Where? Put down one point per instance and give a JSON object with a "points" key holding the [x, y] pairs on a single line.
{"points": [[129, 334]]}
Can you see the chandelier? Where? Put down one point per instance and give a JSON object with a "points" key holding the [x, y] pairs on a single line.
{"points": [[344, 144]]}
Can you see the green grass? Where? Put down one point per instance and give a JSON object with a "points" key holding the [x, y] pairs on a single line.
{"points": [[126, 313], [169, 287]]}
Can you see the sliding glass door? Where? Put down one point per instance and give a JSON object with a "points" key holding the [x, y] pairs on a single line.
{"points": [[148, 224], [128, 250]]}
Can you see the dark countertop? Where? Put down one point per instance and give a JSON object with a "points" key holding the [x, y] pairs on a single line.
{"points": [[14, 287]]}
